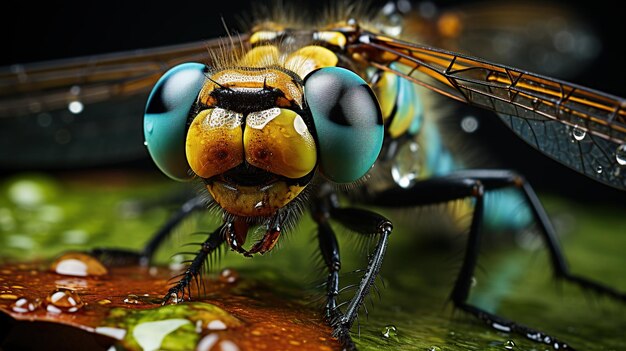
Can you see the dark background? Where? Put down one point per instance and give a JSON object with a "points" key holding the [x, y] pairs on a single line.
{"points": [[37, 32]]}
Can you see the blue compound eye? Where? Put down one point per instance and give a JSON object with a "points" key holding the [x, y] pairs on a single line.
{"points": [[348, 122], [165, 119]]}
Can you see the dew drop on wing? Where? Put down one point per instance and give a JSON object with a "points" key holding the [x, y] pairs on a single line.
{"points": [[578, 133], [620, 155]]}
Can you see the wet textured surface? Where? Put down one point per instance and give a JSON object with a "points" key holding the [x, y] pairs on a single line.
{"points": [[267, 301], [244, 313]]}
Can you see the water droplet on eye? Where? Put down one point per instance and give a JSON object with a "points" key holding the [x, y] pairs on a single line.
{"points": [[509, 344], [407, 165], [578, 133], [434, 348], [63, 300], [78, 264], [24, 305], [620, 155], [149, 127], [599, 169], [389, 331], [229, 276]]}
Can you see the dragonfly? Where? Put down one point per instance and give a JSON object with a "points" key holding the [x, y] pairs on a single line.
{"points": [[275, 121]]}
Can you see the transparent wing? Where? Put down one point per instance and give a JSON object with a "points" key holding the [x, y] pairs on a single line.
{"points": [[541, 37], [83, 111], [582, 128]]}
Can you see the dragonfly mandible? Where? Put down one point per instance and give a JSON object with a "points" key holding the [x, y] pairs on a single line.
{"points": [[582, 128]]}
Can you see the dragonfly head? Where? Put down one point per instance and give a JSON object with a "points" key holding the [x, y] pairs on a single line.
{"points": [[257, 136]]}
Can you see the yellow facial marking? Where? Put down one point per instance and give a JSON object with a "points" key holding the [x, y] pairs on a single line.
{"points": [[278, 141], [309, 58], [260, 56], [214, 142], [247, 201], [239, 78]]}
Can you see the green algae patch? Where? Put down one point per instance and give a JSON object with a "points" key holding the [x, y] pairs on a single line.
{"points": [[172, 327]]}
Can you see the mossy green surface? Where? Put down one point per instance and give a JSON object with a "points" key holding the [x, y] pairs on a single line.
{"points": [[43, 216]]}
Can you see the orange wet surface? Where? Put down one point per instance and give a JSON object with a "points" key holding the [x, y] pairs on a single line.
{"points": [[270, 320]]}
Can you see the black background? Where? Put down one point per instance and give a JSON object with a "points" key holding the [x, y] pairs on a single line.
{"points": [[37, 32]]}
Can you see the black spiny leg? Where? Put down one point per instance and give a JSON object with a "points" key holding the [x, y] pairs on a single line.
{"points": [[472, 183], [117, 257], [212, 243], [363, 222], [330, 252]]}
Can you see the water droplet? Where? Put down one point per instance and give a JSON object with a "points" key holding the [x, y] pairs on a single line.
{"points": [[599, 169], [469, 124], [434, 348], [228, 345], [427, 9], [389, 331], [78, 264], [578, 133], [509, 344], [216, 325], [620, 155], [132, 299], [63, 300], [149, 127], [407, 165], [145, 143], [24, 305], [75, 107], [207, 342], [44, 119], [228, 275], [75, 90]]}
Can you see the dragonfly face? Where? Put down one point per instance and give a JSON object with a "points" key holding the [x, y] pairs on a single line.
{"points": [[256, 133]]}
